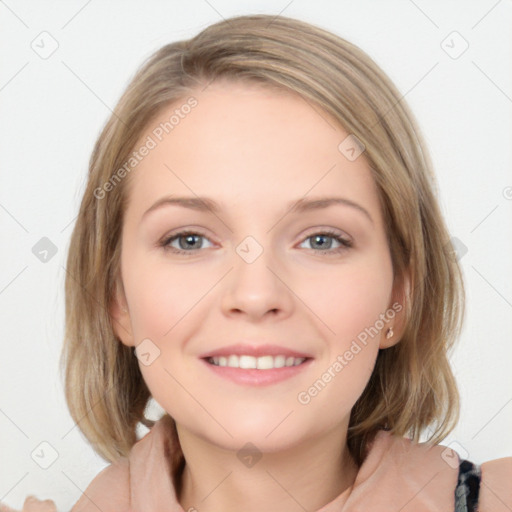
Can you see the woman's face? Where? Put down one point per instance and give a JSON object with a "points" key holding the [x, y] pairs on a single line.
{"points": [[256, 271]]}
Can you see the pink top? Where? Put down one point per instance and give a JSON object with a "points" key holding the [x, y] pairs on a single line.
{"points": [[397, 475]]}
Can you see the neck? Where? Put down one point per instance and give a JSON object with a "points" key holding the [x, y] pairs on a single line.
{"points": [[304, 477]]}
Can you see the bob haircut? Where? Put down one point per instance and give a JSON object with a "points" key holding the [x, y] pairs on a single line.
{"points": [[412, 387]]}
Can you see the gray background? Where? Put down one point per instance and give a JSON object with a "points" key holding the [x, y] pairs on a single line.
{"points": [[53, 107]]}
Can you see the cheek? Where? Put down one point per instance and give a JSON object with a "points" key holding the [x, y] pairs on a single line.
{"points": [[163, 300], [166, 304], [350, 300], [350, 304], [160, 296]]}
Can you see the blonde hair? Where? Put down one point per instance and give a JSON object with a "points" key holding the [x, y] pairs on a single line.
{"points": [[412, 386]]}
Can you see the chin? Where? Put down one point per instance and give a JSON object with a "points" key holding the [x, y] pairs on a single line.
{"points": [[269, 433]]}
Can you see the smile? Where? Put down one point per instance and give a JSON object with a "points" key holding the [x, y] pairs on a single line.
{"points": [[257, 371], [266, 362]]}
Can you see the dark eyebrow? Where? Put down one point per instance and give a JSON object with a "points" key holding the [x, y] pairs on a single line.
{"points": [[205, 204]]}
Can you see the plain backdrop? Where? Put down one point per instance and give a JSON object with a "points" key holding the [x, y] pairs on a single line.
{"points": [[451, 61]]}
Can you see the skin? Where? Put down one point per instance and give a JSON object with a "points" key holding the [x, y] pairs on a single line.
{"points": [[254, 150]]}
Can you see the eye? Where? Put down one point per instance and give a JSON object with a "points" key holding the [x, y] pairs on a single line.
{"points": [[320, 237], [190, 241]]}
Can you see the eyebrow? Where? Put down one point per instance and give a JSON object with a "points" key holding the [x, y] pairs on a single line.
{"points": [[205, 204]]}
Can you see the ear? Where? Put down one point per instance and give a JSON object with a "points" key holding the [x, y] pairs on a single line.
{"points": [[120, 315], [399, 303]]}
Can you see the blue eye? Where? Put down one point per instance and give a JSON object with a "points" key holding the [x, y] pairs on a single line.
{"points": [[190, 238], [323, 235], [191, 242]]}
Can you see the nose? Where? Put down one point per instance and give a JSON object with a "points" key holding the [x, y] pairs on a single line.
{"points": [[256, 287]]}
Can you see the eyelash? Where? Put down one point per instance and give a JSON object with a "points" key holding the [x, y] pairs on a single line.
{"points": [[345, 244]]}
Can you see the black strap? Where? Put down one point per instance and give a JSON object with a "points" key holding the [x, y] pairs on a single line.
{"points": [[468, 487]]}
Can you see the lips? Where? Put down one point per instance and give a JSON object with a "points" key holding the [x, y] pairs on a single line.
{"points": [[255, 350], [254, 377]]}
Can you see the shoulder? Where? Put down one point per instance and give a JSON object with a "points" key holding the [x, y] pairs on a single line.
{"points": [[123, 484], [109, 491], [431, 477], [409, 476], [496, 486]]}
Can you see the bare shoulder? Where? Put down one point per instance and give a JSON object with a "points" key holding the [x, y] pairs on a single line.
{"points": [[109, 491], [496, 486]]}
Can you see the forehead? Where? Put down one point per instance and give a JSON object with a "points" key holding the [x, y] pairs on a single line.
{"points": [[251, 145]]}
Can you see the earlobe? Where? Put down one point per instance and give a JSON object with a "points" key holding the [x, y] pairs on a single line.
{"points": [[393, 330], [389, 338]]}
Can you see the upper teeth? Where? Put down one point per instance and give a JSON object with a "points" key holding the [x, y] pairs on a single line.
{"points": [[261, 363]]}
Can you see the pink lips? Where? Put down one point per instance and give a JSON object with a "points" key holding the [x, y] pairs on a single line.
{"points": [[253, 376]]}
